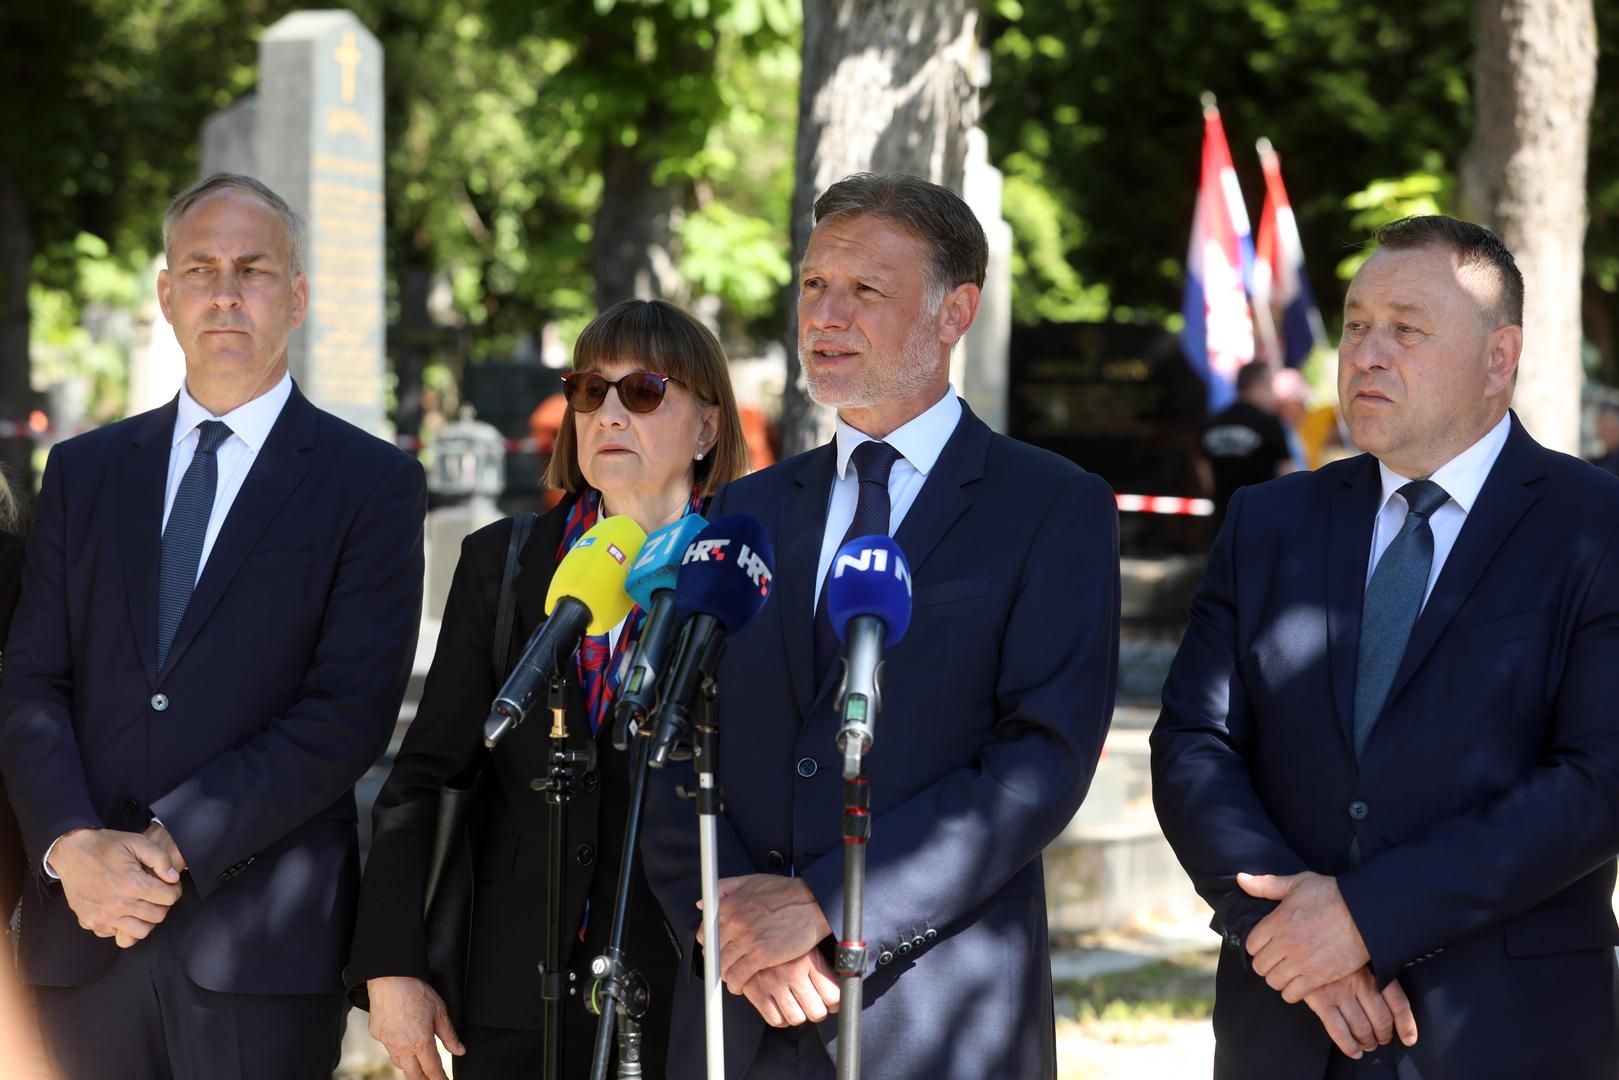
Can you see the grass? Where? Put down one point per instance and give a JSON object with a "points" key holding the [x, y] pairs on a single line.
{"points": [[1176, 989]]}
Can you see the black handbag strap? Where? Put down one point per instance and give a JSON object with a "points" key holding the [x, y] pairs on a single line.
{"points": [[506, 609]]}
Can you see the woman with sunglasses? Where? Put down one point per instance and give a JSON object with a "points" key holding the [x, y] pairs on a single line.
{"points": [[651, 431]]}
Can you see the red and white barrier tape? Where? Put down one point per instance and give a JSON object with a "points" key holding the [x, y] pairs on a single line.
{"points": [[1166, 504]]}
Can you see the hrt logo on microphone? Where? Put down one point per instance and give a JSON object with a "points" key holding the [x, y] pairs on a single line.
{"points": [[758, 572], [704, 550], [873, 560]]}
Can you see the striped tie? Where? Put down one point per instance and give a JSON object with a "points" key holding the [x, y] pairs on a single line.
{"points": [[872, 462], [182, 538]]}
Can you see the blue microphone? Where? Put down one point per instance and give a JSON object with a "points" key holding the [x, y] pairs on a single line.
{"points": [[868, 599], [651, 584], [724, 579]]}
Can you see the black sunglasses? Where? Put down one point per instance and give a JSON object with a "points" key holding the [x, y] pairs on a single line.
{"points": [[640, 391]]}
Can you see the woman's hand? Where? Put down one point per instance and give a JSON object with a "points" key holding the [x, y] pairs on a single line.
{"points": [[405, 1015]]}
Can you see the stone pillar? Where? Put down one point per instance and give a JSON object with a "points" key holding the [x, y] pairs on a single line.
{"points": [[979, 366], [319, 145]]}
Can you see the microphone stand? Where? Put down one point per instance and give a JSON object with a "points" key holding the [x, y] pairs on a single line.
{"points": [[558, 787], [619, 995], [705, 760], [859, 705]]}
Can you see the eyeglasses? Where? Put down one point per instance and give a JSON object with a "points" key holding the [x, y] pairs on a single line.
{"points": [[640, 391]]}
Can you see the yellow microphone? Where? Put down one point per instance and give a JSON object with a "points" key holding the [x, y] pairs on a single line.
{"points": [[586, 597]]}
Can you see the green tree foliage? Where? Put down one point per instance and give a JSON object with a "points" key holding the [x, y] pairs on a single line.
{"points": [[1095, 104]]}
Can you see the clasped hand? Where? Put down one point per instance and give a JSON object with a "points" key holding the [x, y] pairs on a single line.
{"points": [[770, 932], [119, 884], [1310, 950]]}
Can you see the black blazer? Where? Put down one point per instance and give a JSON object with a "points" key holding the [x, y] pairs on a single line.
{"points": [[13, 863], [1483, 801], [512, 859], [282, 687], [995, 706]]}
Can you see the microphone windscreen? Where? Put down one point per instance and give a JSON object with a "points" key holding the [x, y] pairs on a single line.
{"points": [[726, 572], [869, 576], [594, 569], [655, 568]]}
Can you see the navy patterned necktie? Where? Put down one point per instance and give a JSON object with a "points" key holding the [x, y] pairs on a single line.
{"points": [[183, 536], [1393, 601], [872, 462]]}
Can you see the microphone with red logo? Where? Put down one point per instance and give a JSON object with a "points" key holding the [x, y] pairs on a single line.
{"points": [[724, 579], [868, 600], [586, 596]]}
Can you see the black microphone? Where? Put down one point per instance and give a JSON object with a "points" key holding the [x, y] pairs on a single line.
{"points": [[651, 584], [724, 579], [586, 596], [868, 600]]}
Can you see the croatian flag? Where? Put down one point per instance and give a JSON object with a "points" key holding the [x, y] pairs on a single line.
{"points": [[1284, 308], [1219, 334]]}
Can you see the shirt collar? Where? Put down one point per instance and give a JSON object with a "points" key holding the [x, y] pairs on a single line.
{"points": [[1462, 476], [920, 440], [250, 422]]}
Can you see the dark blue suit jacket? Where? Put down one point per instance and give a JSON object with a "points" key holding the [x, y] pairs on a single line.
{"points": [[1486, 800], [996, 704], [282, 686]]}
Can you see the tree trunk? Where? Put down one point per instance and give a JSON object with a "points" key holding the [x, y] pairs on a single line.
{"points": [[1523, 175], [632, 249], [886, 88], [16, 396]]}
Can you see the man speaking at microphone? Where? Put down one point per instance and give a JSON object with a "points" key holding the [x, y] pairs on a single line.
{"points": [[995, 703]]}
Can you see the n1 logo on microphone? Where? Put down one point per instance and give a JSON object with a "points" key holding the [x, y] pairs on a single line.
{"points": [[873, 560]]}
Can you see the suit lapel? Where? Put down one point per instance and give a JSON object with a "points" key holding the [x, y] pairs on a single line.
{"points": [[942, 500], [143, 477], [1503, 500], [279, 467], [800, 527], [1350, 517]]}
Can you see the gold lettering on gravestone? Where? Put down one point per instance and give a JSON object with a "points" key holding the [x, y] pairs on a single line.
{"points": [[346, 286]]}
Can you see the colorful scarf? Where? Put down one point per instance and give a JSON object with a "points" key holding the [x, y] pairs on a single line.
{"points": [[600, 665]]}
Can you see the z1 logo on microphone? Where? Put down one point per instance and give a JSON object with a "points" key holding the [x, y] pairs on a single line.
{"points": [[873, 560]]}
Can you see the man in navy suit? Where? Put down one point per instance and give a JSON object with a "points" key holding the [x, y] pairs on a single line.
{"points": [[995, 703], [1389, 750], [217, 622]]}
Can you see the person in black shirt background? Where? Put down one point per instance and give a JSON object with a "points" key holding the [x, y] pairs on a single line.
{"points": [[1245, 443]]}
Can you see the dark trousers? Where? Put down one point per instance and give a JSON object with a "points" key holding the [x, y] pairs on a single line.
{"points": [[795, 1053], [144, 1019]]}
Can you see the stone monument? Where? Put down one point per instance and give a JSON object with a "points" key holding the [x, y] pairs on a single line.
{"points": [[319, 144]]}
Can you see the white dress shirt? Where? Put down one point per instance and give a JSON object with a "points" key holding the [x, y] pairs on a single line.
{"points": [[919, 441], [1462, 477], [250, 425]]}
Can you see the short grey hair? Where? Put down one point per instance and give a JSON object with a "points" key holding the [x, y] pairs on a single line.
{"points": [[222, 180], [958, 251]]}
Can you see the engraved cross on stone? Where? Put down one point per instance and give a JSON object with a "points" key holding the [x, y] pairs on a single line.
{"points": [[348, 55]]}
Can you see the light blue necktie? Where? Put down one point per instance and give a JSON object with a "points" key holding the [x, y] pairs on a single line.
{"points": [[1393, 601], [183, 536]]}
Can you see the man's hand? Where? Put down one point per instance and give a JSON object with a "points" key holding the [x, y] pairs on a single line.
{"points": [[119, 884], [1309, 941], [765, 920], [157, 834], [799, 991], [1358, 1017], [405, 1015]]}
